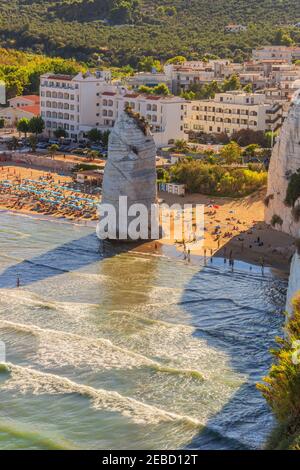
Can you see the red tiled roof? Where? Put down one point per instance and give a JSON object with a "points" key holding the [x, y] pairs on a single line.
{"points": [[109, 93], [31, 109], [132, 95], [34, 98], [68, 78], [153, 97]]}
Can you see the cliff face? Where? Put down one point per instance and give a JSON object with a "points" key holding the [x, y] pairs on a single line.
{"points": [[131, 165], [284, 162], [294, 282]]}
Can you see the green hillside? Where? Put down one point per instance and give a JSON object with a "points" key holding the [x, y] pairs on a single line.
{"points": [[122, 31]]}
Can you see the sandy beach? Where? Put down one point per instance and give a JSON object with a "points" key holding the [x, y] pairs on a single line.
{"points": [[30, 190], [234, 228], [241, 233]]}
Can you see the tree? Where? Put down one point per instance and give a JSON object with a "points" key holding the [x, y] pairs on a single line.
{"points": [[177, 60], [23, 126], [13, 144], [251, 150], [233, 83], [248, 88], [162, 175], [94, 135], [246, 137], [104, 138], [231, 153], [92, 155], [160, 89], [59, 133], [281, 386], [36, 125], [52, 150], [148, 63], [33, 142], [181, 145]]}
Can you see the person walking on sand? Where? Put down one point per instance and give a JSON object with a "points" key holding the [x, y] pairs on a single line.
{"points": [[189, 256]]}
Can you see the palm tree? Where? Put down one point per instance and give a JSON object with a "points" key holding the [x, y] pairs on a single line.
{"points": [[52, 150], [181, 146]]}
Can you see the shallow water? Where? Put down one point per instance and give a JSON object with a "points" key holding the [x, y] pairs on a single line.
{"points": [[123, 350]]}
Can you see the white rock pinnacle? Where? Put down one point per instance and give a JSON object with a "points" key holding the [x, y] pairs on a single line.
{"points": [[131, 165]]}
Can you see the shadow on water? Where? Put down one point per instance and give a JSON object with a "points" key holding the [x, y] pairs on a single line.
{"points": [[244, 329], [76, 254], [239, 327]]}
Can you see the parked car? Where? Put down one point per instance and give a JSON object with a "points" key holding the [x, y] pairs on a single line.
{"points": [[42, 145]]}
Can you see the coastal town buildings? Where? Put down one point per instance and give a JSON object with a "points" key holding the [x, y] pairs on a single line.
{"points": [[85, 101], [232, 111], [26, 106]]}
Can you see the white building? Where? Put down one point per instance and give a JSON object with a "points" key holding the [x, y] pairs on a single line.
{"points": [[235, 28], [149, 79], [232, 111], [27, 106], [276, 52], [78, 104]]}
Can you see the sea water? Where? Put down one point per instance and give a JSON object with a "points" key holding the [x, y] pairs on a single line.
{"points": [[111, 348]]}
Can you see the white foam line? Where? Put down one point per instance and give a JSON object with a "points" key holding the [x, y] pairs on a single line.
{"points": [[27, 380], [139, 359]]}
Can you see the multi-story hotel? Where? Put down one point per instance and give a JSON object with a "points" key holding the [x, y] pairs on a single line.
{"points": [[276, 52], [85, 101], [229, 112]]}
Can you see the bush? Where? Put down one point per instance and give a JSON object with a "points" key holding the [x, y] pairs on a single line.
{"points": [[296, 213], [293, 189], [217, 180], [85, 166], [276, 220], [281, 386]]}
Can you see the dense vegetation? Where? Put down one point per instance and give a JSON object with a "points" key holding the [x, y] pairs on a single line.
{"points": [[293, 189], [21, 71], [121, 32], [217, 180], [281, 387]]}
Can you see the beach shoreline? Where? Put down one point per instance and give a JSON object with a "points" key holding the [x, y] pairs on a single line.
{"points": [[234, 228], [165, 247]]}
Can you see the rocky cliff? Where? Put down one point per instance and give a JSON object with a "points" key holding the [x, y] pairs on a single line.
{"points": [[284, 163], [131, 165]]}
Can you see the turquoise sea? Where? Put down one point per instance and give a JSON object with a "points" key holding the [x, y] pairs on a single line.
{"points": [[125, 350]]}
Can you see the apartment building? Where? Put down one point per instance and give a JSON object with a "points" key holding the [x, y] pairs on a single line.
{"points": [[80, 103], [232, 111], [182, 76], [276, 52], [68, 102]]}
